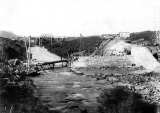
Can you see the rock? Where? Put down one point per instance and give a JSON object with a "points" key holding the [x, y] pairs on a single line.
{"points": [[76, 85], [78, 97]]}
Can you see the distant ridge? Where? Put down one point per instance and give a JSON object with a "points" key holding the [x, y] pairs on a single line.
{"points": [[8, 34]]}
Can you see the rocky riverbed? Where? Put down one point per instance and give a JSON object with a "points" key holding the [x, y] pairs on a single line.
{"points": [[60, 89]]}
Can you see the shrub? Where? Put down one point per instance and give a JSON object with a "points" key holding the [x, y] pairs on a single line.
{"points": [[121, 100]]}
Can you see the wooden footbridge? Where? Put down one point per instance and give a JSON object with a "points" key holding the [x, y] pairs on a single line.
{"points": [[52, 64]]}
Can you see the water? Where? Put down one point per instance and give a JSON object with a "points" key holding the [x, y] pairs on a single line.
{"points": [[92, 71], [59, 89]]}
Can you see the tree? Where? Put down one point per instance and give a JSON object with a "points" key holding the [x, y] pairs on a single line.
{"points": [[14, 49]]}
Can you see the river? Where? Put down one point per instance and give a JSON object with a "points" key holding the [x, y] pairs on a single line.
{"points": [[60, 89]]}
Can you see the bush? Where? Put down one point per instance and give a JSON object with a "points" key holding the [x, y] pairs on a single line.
{"points": [[121, 100]]}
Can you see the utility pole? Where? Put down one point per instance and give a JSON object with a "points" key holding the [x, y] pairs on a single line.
{"points": [[81, 44], [40, 40], [80, 49], [51, 38], [29, 57], [1, 45], [102, 44]]}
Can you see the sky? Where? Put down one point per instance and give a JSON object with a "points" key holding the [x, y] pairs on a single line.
{"points": [[75, 17]]}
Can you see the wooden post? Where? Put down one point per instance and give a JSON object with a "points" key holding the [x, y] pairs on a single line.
{"points": [[69, 60], [51, 39], [39, 41], [53, 66], [26, 50], [69, 63], [36, 41], [61, 61]]}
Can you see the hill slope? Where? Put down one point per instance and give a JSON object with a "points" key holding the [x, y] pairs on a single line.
{"points": [[147, 37], [7, 34]]}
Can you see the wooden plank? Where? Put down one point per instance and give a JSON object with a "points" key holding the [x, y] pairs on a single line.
{"points": [[54, 62]]}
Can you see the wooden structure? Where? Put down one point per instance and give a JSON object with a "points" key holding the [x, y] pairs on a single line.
{"points": [[51, 64]]}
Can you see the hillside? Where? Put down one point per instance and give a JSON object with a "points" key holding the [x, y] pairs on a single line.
{"points": [[7, 34], [144, 37]]}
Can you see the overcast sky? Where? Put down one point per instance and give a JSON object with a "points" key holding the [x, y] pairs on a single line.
{"points": [[75, 17]]}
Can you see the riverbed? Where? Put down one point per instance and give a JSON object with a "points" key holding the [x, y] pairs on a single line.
{"points": [[60, 89]]}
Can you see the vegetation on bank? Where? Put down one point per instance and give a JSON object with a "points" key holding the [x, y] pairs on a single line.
{"points": [[66, 48], [16, 90], [122, 100], [13, 49], [89, 44], [144, 36], [17, 93]]}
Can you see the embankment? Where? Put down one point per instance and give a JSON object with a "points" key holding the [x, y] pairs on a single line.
{"points": [[103, 61]]}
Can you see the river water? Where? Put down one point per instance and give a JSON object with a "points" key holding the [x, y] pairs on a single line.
{"points": [[60, 89]]}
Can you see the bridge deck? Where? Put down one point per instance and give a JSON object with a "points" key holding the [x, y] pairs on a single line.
{"points": [[47, 63]]}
